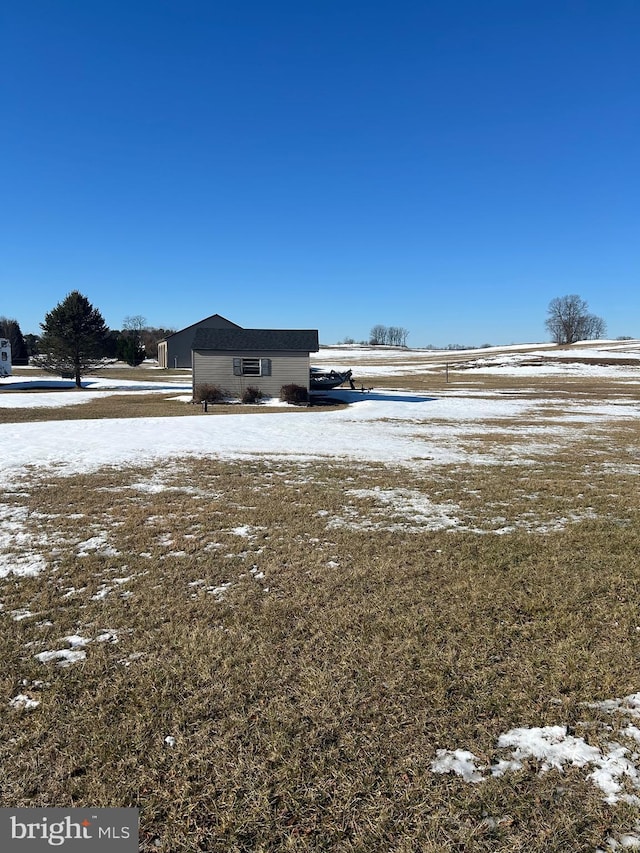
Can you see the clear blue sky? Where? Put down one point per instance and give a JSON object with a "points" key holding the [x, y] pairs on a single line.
{"points": [[444, 166]]}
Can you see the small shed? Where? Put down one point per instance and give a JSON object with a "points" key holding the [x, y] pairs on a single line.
{"points": [[175, 349], [235, 359], [5, 357]]}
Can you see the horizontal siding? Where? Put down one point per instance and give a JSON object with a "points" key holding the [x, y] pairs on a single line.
{"points": [[211, 368], [179, 352]]}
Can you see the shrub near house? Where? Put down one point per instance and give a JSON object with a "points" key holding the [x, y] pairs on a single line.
{"points": [[209, 394], [295, 394]]}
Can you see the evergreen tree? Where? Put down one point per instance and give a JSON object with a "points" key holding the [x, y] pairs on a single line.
{"points": [[32, 343], [130, 350], [130, 346], [10, 329], [73, 336], [111, 343]]}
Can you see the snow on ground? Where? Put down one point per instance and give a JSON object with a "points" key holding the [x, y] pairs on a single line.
{"points": [[613, 768], [561, 363], [389, 427], [383, 426], [582, 349], [38, 391], [364, 353], [516, 360], [551, 747]]}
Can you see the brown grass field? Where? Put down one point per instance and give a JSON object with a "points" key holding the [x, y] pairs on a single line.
{"points": [[309, 639]]}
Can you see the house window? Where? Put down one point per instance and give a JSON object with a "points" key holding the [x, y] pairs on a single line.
{"points": [[5, 357], [252, 367]]}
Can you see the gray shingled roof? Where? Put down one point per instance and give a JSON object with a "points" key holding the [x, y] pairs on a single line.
{"points": [[262, 340], [186, 328]]}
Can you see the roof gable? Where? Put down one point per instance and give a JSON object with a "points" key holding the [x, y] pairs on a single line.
{"points": [[216, 320]]}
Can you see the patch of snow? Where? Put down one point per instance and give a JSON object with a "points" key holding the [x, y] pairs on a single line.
{"points": [[219, 592], [22, 565], [64, 657], [614, 767], [550, 745], [107, 637], [19, 615], [103, 592], [98, 545], [415, 508], [22, 702], [458, 761], [76, 641]]}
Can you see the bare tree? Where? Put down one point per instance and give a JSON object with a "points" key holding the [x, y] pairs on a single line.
{"points": [[135, 326], [150, 337], [395, 336], [130, 344], [568, 320], [594, 327], [378, 336], [401, 335]]}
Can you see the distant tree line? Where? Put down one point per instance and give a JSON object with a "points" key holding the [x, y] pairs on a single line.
{"points": [[568, 320], [128, 344], [75, 339], [349, 341], [10, 330], [392, 336]]}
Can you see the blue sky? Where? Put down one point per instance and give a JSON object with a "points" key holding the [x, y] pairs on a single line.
{"points": [[449, 166]]}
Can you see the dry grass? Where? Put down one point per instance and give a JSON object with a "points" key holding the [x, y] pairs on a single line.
{"points": [[311, 634], [136, 406], [307, 704], [434, 380], [109, 406]]}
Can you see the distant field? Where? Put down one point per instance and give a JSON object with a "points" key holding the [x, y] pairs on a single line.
{"points": [[352, 651]]}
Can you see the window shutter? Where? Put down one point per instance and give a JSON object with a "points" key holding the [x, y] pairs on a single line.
{"points": [[237, 367], [265, 366]]}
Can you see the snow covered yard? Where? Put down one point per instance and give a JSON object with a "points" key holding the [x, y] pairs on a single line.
{"points": [[409, 624]]}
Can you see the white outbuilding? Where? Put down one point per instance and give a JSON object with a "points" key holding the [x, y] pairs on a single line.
{"points": [[5, 357]]}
